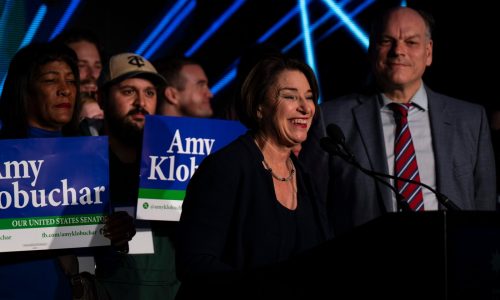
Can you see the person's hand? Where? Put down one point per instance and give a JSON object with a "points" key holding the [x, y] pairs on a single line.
{"points": [[119, 228]]}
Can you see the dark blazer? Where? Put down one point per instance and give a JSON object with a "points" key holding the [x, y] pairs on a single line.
{"points": [[463, 152], [231, 220]]}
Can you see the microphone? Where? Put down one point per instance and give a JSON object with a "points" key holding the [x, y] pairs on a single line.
{"points": [[334, 132], [338, 139], [335, 148]]}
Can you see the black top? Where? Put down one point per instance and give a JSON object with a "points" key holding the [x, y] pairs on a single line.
{"points": [[146, 274], [123, 181], [231, 220]]}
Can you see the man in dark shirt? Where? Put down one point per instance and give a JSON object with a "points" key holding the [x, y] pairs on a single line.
{"points": [[129, 93]]}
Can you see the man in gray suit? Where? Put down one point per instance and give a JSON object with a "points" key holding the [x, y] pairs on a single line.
{"points": [[450, 137]]}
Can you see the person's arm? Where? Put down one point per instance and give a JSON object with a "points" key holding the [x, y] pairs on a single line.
{"points": [[119, 228], [207, 213], [484, 171]]}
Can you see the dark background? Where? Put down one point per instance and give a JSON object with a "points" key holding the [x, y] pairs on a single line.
{"points": [[465, 59]]}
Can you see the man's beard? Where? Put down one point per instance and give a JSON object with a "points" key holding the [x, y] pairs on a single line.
{"points": [[124, 130]]}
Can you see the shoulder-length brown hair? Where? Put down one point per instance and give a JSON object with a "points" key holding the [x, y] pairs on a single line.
{"points": [[261, 79], [23, 68]]}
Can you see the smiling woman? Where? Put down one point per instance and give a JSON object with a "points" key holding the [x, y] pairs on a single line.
{"points": [[267, 212]]}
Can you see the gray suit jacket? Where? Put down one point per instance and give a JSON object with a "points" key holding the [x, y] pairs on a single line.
{"points": [[465, 168]]}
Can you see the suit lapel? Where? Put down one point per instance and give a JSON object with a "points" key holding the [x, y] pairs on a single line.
{"points": [[442, 138], [367, 116]]}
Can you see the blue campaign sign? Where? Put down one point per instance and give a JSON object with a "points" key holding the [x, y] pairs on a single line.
{"points": [[173, 148], [53, 193], [50, 177]]}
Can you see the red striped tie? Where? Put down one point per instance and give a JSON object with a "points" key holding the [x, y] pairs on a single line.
{"points": [[405, 160]]}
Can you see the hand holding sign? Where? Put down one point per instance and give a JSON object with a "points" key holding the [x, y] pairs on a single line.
{"points": [[119, 228]]}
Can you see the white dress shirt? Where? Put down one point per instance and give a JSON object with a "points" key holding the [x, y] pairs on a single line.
{"points": [[420, 128]]}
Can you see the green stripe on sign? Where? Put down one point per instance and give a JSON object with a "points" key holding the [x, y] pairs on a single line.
{"points": [[51, 221], [162, 194]]}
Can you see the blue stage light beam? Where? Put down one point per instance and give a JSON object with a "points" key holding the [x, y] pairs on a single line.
{"points": [[357, 32], [32, 29], [278, 25], [170, 29], [313, 27], [404, 4], [227, 78], [308, 46], [215, 26], [65, 18], [2, 83], [292, 13], [3, 19], [163, 23], [352, 14], [231, 75]]}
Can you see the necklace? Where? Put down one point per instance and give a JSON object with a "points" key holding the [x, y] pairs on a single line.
{"points": [[288, 178]]}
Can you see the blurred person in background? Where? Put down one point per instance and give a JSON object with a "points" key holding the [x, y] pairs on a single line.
{"points": [[186, 92]]}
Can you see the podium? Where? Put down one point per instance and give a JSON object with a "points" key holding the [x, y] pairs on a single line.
{"points": [[424, 255]]}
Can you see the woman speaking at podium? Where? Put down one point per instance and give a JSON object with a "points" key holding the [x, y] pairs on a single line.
{"points": [[251, 205]]}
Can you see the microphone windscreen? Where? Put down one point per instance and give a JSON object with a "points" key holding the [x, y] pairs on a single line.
{"points": [[328, 145], [334, 131]]}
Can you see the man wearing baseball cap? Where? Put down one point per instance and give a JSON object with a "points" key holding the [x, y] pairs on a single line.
{"points": [[129, 89]]}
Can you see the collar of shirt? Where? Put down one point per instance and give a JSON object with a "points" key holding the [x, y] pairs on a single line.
{"points": [[419, 100], [42, 133]]}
